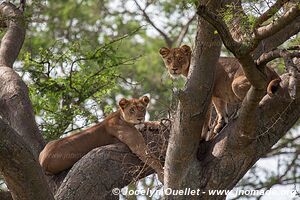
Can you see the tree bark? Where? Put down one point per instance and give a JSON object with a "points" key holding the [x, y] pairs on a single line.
{"points": [[193, 105], [16, 157], [5, 195], [21, 140], [112, 166], [15, 105], [224, 161], [221, 165]]}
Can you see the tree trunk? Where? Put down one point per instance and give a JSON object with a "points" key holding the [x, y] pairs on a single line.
{"points": [[219, 164]]}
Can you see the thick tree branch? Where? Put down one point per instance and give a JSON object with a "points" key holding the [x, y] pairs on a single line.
{"points": [[256, 76], [15, 105], [21, 170], [5, 195], [221, 167], [241, 51], [277, 39], [268, 30], [294, 74], [277, 53], [247, 120], [270, 12], [235, 47], [97, 179], [12, 41], [21, 139], [112, 166], [193, 105]]}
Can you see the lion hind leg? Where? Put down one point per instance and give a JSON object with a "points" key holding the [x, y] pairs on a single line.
{"points": [[222, 117], [206, 135], [240, 87]]}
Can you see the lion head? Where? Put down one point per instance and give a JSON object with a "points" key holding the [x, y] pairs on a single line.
{"points": [[177, 60], [134, 110]]}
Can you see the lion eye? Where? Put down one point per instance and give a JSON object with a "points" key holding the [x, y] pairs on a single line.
{"points": [[131, 110], [180, 58]]}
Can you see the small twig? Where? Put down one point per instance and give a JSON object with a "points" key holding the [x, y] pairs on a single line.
{"points": [[184, 30], [161, 32], [22, 5]]}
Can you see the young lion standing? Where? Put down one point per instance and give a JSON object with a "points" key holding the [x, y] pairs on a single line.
{"points": [[61, 154], [230, 84]]}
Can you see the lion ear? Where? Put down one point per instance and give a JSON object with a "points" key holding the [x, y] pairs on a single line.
{"points": [[145, 100], [186, 49], [164, 52], [123, 103]]}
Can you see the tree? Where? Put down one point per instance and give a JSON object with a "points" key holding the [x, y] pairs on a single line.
{"points": [[240, 144]]}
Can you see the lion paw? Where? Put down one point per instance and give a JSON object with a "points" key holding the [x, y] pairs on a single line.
{"points": [[220, 125]]}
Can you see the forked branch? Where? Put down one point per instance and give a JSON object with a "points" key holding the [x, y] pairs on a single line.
{"points": [[231, 44], [241, 50], [256, 75]]}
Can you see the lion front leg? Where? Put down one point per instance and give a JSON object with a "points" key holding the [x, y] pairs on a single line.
{"points": [[136, 143]]}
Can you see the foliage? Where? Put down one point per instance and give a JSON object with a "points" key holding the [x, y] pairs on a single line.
{"points": [[68, 85], [64, 39], [76, 73]]}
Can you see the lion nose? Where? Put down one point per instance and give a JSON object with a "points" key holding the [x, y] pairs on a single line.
{"points": [[174, 70], [140, 119]]}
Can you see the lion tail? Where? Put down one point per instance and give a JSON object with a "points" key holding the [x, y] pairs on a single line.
{"points": [[273, 86]]}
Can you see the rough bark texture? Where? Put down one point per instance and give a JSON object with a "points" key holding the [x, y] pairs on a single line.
{"points": [[278, 38], [218, 164], [220, 167], [194, 101], [20, 140], [16, 157], [4, 195], [15, 105], [93, 173]]}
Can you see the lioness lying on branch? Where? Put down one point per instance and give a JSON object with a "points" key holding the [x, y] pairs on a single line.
{"points": [[230, 85], [61, 154]]}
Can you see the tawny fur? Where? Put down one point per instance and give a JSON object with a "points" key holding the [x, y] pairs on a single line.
{"points": [[230, 85], [61, 154]]}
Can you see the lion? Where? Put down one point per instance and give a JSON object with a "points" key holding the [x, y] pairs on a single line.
{"points": [[230, 85], [119, 126]]}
